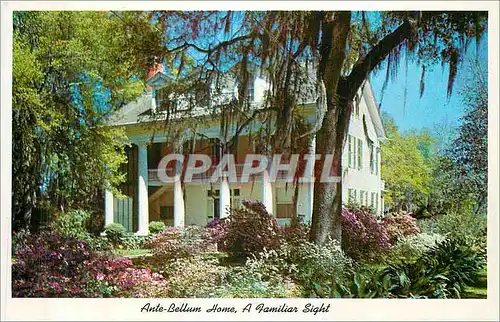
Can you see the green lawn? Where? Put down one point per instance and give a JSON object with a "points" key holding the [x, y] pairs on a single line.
{"points": [[479, 289], [131, 252]]}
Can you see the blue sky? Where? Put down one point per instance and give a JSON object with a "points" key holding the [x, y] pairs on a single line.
{"points": [[434, 109]]}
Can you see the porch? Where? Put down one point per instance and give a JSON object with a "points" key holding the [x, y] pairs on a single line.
{"points": [[198, 202]]}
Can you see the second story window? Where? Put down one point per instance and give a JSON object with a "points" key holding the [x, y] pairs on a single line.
{"points": [[251, 90], [360, 154], [161, 98], [351, 148], [374, 160], [354, 152]]}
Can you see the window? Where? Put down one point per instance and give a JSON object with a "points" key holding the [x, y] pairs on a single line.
{"points": [[372, 202], [284, 210], [214, 202], [363, 198], [351, 195], [251, 90], [376, 202], [374, 160], [352, 151], [161, 97], [216, 151], [235, 199], [167, 212], [284, 202], [360, 154]]}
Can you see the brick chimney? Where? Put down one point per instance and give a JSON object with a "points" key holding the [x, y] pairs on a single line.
{"points": [[157, 68]]}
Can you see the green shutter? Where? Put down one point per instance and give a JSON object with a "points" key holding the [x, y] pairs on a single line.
{"points": [[354, 145], [349, 150], [360, 153]]}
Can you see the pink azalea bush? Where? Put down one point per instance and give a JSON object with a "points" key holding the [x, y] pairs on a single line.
{"points": [[216, 233], [250, 230], [363, 237], [52, 265], [400, 226]]}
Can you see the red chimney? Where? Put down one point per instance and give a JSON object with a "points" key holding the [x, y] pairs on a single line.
{"points": [[157, 68]]}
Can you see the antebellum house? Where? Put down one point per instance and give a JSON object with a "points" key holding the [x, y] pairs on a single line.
{"points": [[147, 198]]}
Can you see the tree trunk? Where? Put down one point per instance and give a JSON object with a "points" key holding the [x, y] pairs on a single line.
{"points": [[327, 204]]}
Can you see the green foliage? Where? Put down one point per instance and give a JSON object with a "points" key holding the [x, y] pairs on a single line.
{"points": [[460, 176], [307, 263], [130, 241], [67, 79], [249, 282], [409, 249], [361, 282], [442, 272], [74, 224], [115, 232], [463, 223], [156, 227], [71, 224], [407, 163]]}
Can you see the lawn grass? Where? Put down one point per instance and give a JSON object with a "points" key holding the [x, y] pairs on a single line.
{"points": [[479, 289], [131, 252]]}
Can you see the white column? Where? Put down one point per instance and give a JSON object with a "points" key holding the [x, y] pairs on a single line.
{"points": [[108, 207], [179, 211], [267, 192], [224, 197], [310, 185], [142, 192]]}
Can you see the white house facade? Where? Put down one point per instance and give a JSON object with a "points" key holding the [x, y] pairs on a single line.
{"points": [[147, 198]]}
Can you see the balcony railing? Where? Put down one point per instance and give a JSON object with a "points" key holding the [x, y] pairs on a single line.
{"points": [[206, 176]]}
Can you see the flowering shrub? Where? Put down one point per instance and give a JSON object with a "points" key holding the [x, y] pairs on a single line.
{"points": [[363, 237], [248, 282], [400, 226], [293, 234], [174, 243], [139, 283], [409, 249], [193, 277], [250, 230], [307, 263], [53, 265], [216, 233]]}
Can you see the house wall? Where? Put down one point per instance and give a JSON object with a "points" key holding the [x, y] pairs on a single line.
{"points": [[197, 202], [361, 179]]}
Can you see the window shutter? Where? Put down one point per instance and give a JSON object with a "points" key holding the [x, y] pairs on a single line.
{"points": [[360, 154], [349, 151], [354, 145]]}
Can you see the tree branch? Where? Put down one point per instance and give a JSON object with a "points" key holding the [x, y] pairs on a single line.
{"points": [[374, 57]]}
